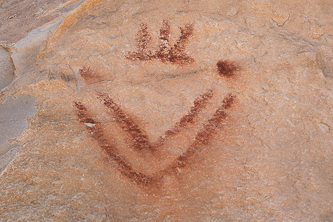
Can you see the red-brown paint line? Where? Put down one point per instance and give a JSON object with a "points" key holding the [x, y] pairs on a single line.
{"points": [[143, 40], [139, 137], [203, 137], [89, 75], [175, 54], [97, 132], [227, 68], [201, 140], [163, 52]]}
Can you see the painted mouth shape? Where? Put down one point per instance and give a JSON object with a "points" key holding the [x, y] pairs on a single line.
{"points": [[140, 143]]}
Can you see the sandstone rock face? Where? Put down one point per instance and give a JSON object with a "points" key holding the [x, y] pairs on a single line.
{"points": [[7, 69], [13, 122], [169, 111]]}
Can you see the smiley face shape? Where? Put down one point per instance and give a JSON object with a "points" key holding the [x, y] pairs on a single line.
{"points": [[156, 156]]}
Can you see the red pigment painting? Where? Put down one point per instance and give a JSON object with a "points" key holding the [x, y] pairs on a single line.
{"points": [[139, 140]]}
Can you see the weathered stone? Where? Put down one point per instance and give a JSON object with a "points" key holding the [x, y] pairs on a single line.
{"points": [[7, 69], [175, 111], [13, 119]]}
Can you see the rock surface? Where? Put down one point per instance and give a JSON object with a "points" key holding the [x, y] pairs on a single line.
{"points": [[14, 113], [7, 69], [169, 111]]}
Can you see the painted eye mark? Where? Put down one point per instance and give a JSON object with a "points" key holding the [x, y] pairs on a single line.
{"points": [[174, 54], [227, 68], [89, 75]]}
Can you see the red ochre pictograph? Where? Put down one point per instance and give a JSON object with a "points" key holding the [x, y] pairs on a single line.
{"points": [[137, 137], [140, 140], [227, 68], [174, 54]]}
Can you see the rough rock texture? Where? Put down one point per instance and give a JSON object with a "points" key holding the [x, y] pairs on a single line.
{"points": [[171, 111], [6, 67], [14, 113]]}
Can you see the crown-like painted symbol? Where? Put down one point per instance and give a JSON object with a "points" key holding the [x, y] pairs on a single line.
{"points": [[174, 54]]}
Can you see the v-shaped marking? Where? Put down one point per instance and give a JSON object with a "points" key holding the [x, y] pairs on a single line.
{"points": [[140, 140]]}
